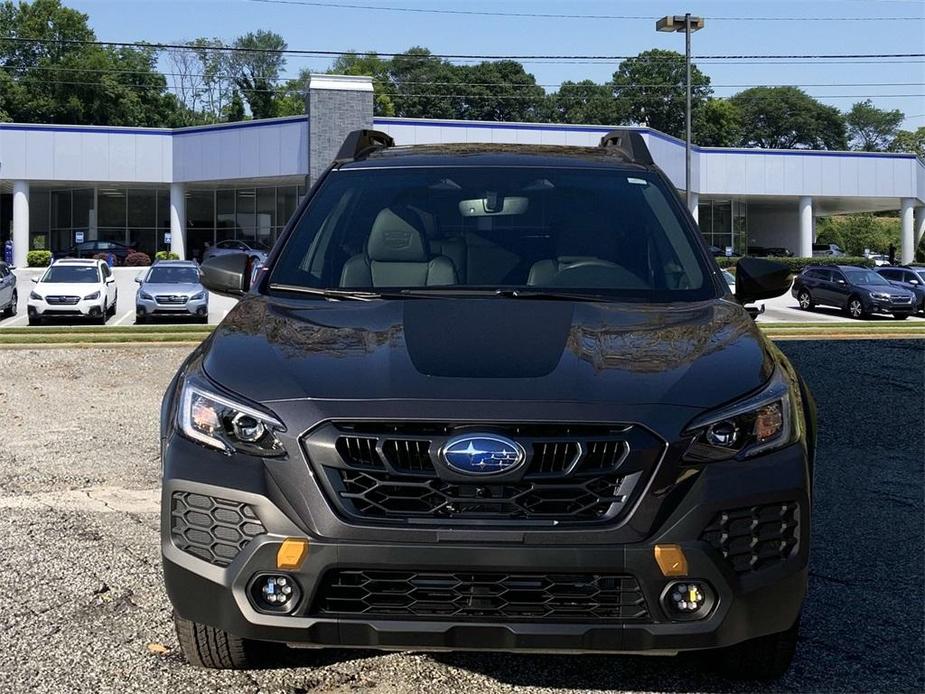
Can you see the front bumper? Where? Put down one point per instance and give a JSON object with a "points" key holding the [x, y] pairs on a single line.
{"points": [[150, 307], [886, 306], [84, 307], [748, 605]]}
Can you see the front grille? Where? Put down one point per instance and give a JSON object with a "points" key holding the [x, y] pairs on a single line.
{"points": [[900, 299], [394, 473], [474, 596], [62, 300], [212, 529], [755, 537], [171, 299]]}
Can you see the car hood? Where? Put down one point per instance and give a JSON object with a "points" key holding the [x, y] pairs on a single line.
{"points": [[172, 288], [80, 289], [698, 355]]}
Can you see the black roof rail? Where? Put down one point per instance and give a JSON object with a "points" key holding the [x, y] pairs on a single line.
{"points": [[630, 144], [360, 143]]}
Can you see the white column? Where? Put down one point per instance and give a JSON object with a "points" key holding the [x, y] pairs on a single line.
{"points": [[918, 226], [907, 252], [178, 219], [695, 206], [20, 222], [806, 227]]}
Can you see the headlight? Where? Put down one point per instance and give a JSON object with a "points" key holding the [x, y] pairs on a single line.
{"points": [[146, 296], [35, 295], [217, 421], [759, 423], [880, 295], [91, 297], [198, 297]]}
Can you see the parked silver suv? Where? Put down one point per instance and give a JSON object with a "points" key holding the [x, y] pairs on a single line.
{"points": [[171, 287]]}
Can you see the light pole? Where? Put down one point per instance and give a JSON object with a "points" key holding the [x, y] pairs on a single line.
{"points": [[688, 25]]}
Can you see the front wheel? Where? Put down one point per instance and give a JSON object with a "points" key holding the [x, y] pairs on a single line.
{"points": [[856, 308], [805, 300], [900, 316], [35, 320], [764, 658], [208, 647]]}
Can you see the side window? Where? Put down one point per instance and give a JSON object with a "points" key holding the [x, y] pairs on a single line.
{"points": [[908, 276], [838, 276]]}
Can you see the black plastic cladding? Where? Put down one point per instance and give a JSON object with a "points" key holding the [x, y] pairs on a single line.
{"points": [[392, 473], [756, 537], [480, 595], [214, 530]]}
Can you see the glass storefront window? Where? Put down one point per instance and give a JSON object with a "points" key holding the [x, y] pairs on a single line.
{"points": [[83, 208], [287, 199], [224, 215], [142, 208], [246, 214], [61, 209], [111, 202]]}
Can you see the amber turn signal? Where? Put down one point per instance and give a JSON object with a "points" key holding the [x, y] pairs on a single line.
{"points": [[292, 553], [671, 560]]}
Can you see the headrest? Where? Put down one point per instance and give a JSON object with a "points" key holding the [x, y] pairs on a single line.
{"points": [[394, 239]]}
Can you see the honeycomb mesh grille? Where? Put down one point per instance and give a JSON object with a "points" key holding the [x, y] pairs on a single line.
{"points": [[479, 596], [755, 537], [213, 529]]}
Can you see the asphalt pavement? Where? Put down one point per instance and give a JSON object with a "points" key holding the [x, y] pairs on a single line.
{"points": [[85, 609]]}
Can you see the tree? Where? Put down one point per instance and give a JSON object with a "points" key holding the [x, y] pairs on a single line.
{"points": [[372, 65], [498, 91], [256, 64], [788, 118], [584, 102], [62, 78], [425, 86], [909, 141], [651, 87], [217, 84], [872, 129], [857, 233], [717, 123], [234, 111]]}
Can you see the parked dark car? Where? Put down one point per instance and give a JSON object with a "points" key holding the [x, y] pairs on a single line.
{"points": [[89, 249], [9, 298], [859, 291], [776, 252], [255, 249], [909, 278], [495, 398]]}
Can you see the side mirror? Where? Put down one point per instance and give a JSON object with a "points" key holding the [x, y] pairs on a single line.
{"points": [[840, 282], [138, 279], [35, 280], [758, 279], [228, 274], [110, 280]]}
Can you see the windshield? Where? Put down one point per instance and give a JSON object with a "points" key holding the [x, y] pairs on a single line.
{"points": [[600, 232], [72, 274], [864, 277], [173, 275]]}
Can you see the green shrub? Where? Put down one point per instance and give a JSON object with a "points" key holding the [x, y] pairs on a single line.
{"points": [[137, 259], [797, 264], [166, 255], [856, 233], [38, 258]]}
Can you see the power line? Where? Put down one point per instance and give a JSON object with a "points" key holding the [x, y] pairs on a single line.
{"points": [[546, 15], [461, 56]]}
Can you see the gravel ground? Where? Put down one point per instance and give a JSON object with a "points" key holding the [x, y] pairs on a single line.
{"points": [[80, 570]]}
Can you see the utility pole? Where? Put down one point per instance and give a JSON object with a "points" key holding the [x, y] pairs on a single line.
{"points": [[688, 25]]}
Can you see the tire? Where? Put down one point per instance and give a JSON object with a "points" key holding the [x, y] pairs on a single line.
{"points": [[203, 319], [805, 300], [208, 647], [901, 316], [112, 309], [764, 658], [855, 308], [35, 320], [140, 320], [15, 305]]}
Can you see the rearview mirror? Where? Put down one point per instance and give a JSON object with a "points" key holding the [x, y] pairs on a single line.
{"points": [[228, 274], [758, 279]]}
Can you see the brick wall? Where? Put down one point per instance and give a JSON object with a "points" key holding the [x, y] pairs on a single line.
{"points": [[332, 113]]}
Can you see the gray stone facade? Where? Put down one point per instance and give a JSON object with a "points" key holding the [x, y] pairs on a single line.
{"points": [[334, 109]]}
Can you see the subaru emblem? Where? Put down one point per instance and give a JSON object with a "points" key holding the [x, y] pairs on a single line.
{"points": [[482, 454]]}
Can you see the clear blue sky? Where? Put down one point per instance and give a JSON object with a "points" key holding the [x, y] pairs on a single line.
{"points": [[339, 28]]}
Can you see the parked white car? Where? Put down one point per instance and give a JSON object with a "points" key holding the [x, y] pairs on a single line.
{"points": [[76, 288]]}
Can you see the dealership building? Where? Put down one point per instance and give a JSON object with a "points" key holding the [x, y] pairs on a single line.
{"points": [[181, 189]]}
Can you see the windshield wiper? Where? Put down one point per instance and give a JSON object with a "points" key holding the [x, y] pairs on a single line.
{"points": [[551, 295], [349, 294]]}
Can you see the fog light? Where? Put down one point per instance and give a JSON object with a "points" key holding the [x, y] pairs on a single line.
{"points": [[684, 600], [276, 593]]}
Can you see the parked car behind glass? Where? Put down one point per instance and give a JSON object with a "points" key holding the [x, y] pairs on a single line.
{"points": [[255, 249], [88, 249], [857, 290], [171, 288], [827, 249], [911, 279]]}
